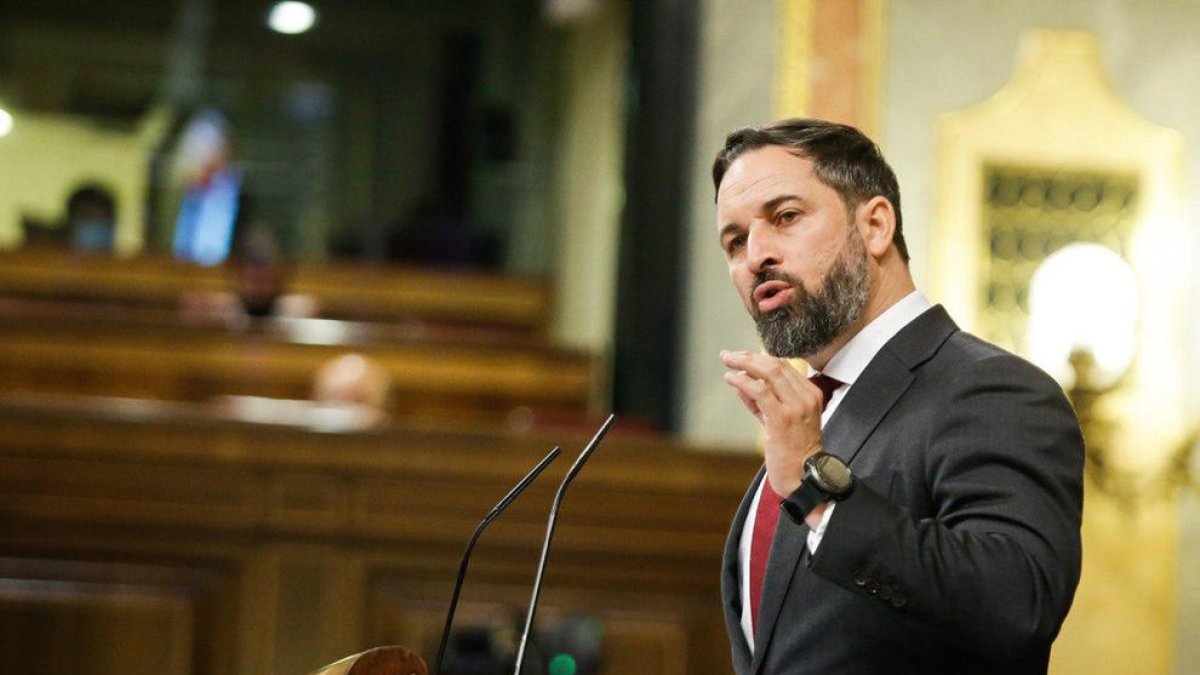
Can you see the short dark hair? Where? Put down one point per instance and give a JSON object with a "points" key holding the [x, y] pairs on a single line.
{"points": [[842, 156], [91, 196]]}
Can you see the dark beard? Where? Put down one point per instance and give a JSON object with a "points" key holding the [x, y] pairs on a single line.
{"points": [[811, 322]]}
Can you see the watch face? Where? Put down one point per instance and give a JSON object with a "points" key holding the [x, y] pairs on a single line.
{"points": [[832, 473]]}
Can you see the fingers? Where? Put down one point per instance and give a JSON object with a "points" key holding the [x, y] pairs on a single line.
{"points": [[745, 387], [779, 376], [786, 404]]}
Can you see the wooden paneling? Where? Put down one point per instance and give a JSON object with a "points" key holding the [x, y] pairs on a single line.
{"points": [[84, 617], [644, 632], [277, 550]]}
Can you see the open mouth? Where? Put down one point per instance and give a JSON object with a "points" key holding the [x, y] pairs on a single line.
{"points": [[771, 295]]}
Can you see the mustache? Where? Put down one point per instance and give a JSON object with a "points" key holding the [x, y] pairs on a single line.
{"points": [[775, 275]]}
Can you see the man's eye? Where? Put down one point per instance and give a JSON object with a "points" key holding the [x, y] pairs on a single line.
{"points": [[735, 244], [788, 217]]}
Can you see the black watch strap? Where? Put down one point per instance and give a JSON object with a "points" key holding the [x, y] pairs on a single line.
{"points": [[806, 497], [826, 477]]}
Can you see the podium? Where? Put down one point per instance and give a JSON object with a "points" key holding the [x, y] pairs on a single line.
{"points": [[391, 660]]}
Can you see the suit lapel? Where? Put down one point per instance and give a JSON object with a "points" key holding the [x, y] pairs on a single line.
{"points": [[884, 381], [875, 392]]}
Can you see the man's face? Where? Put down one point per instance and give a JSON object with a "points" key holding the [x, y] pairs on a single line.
{"points": [[794, 254]]}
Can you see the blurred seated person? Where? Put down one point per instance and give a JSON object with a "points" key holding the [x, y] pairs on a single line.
{"points": [[353, 379], [91, 219], [258, 275], [87, 226], [349, 393]]}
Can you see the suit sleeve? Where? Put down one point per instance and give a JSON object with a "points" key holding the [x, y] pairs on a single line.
{"points": [[994, 569]]}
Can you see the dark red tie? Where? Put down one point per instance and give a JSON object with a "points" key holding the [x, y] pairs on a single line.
{"points": [[766, 517]]}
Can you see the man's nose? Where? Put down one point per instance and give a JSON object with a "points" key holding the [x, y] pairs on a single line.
{"points": [[762, 253]]}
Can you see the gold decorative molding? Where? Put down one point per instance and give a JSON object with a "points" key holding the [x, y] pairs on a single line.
{"points": [[1057, 111], [794, 55], [874, 50], [1028, 213], [829, 61]]}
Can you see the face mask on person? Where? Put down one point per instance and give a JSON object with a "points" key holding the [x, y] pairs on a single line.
{"points": [[92, 234]]}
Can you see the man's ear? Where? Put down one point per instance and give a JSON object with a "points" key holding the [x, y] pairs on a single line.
{"points": [[877, 225]]}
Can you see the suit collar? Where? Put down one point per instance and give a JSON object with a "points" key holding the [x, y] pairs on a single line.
{"points": [[854, 357], [923, 337]]}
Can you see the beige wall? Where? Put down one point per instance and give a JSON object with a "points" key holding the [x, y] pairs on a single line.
{"points": [[737, 56], [590, 178]]}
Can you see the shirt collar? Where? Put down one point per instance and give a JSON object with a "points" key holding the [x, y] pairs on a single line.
{"points": [[852, 359]]}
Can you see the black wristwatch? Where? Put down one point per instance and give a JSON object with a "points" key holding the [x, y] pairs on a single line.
{"points": [[825, 478]]}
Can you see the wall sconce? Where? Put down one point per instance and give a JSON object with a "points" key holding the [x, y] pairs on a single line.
{"points": [[1083, 306]]}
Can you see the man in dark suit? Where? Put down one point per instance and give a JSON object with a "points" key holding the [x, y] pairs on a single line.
{"points": [[923, 490]]}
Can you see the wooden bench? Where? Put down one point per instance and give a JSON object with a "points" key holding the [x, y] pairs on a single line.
{"points": [[149, 353], [342, 290]]}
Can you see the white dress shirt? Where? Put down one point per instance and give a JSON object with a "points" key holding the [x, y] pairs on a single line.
{"points": [[845, 366]]}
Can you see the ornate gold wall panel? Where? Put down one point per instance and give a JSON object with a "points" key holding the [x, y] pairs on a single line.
{"points": [[1058, 112], [874, 49]]}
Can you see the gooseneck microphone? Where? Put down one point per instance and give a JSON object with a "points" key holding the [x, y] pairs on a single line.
{"points": [[487, 520], [541, 570]]}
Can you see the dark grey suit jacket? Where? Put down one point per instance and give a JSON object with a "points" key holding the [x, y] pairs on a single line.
{"points": [[959, 549]]}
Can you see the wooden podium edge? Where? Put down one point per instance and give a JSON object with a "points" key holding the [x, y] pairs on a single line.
{"points": [[388, 660]]}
